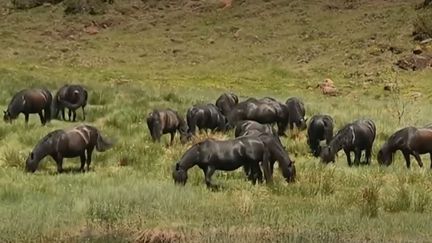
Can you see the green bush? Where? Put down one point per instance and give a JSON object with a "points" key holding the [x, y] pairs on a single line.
{"points": [[27, 4], [92, 7], [423, 24]]}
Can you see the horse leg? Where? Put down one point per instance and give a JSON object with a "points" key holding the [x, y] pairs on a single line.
{"points": [[74, 115], [41, 117], [59, 162], [84, 114], [368, 155], [70, 114], [83, 160], [418, 158], [172, 138], [357, 156], [89, 158], [407, 158], [348, 155], [26, 115], [63, 113], [431, 160], [208, 173]]}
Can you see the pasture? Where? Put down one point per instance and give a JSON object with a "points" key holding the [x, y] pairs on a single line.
{"points": [[168, 55]]}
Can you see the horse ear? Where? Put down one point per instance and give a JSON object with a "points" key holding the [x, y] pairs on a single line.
{"points": [[31, 155], [177, 167]]}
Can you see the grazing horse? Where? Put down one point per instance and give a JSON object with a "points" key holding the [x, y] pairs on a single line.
{"points": [[266, 111], [296, 113], [226, 102], [30, 101], [320, 128], [243, 127], [71, 97], [410, 141], [211, 155], [74, 142], [356, 136], [161, 122], [205, 117]]}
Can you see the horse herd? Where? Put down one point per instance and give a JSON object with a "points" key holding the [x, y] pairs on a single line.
{"points": [[256, 146]]}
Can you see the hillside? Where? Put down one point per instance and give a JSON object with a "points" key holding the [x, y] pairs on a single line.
{"points": [[141, 55]]}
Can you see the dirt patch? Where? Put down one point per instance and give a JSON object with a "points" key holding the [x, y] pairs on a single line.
{"points": [[415, 62], [159, 236]]}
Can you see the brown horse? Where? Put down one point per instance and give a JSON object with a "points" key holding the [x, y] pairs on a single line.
{"points": [[30, 101], [161, 122], [78, 141], [71, 97], [410, 141]]}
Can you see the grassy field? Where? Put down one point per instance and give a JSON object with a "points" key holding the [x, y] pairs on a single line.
{"points": [[154, 54]]}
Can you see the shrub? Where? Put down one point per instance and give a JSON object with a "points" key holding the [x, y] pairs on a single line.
{"points": [[369, 201], [423, 25], [27, 4], [92, 7]]}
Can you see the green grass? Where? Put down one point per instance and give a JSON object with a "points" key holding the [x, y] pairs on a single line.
{"points": [[158, 56]]}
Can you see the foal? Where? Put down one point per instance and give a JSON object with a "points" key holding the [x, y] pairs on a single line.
{"points": [[353, 137], [161, 122]]}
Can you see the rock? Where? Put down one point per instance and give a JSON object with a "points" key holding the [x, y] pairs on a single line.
{"points": [[389, 87], [91, 30], [211, 41], [327, 87], [415, 62], [417, 50]]}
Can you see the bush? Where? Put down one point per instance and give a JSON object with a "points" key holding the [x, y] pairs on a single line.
{"points": [[369, 199], [423, 25], [92, 7], [27, 4]]}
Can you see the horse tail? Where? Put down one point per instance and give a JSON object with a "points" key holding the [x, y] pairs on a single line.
{"points": [[48, 107], [102, 144], [191, 120]]}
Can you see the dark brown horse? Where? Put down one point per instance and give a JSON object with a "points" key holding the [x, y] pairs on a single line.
{"points": [[161, 122], [353, 137], [410, 141], [79, 141], [206, 117], [30, 101], [320, 128], [296, 111], [71, 97], [249, 151], [266, 111], [226, 102]]}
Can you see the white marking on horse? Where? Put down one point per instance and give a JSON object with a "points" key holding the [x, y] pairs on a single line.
{"points": [[24, 100], [85, 134], [353, 134]]}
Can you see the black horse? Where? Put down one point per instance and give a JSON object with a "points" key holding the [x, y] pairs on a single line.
{"points": [[75, 142], [161, 122], [266, 111], [296, 111], [30, 101], [205, 117], [71, 97], [410, 141], [243, 126], [211, 155], [320, 128], [354, 137], [226, 102]]}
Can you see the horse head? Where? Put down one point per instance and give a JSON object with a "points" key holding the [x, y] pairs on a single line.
{"points": [[327, 155], [179, 175], [7, 116], [31, 163], [384, 157]]}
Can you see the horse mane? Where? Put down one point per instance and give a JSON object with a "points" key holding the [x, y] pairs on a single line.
{"points": [[49, 136], [15, 101]]}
